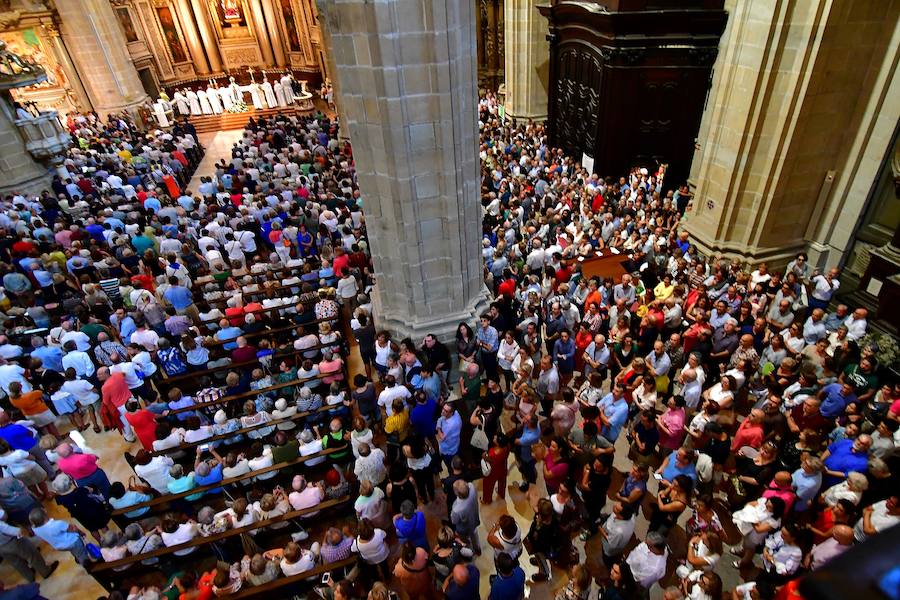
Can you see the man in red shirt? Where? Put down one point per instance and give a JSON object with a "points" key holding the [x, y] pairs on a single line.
{"points": [[143, 422], [244, 351], [751, 432], [507, 287]]}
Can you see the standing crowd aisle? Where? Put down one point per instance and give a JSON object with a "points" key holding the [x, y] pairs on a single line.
{"points": [[180, 418]]}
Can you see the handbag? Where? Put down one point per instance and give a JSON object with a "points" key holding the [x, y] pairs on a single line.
{"points": [[485, 467], [480, 439]]}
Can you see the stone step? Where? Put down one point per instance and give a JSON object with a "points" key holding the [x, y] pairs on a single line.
{"points": [[230, 121]]}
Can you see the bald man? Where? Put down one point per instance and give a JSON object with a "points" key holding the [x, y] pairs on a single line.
{"points": [[462, 583], [840, 541]]}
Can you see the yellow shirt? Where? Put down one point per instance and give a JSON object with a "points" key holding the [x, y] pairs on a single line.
{"points": [[125, 155], [397, 423], [662, 291]]}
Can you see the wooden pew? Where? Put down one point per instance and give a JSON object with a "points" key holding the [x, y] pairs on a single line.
{"points": [[161, 503], [276, 585], [105, 572], [188, 446], [166, 383], [254, 393]]}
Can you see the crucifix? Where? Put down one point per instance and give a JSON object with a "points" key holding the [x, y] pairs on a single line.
{"points": [[250, 72]]}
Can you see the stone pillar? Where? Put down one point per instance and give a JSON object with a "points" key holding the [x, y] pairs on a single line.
{"points": [[277, 44], [527, 62], [195, 46], [82, 100], [331, 70], [407, 73], [19, 172], [788, 123], [98, 48], [262, 33], [207, 34]]}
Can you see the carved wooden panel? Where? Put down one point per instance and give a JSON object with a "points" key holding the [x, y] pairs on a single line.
{"points": [[489, 42], [577, 99]]}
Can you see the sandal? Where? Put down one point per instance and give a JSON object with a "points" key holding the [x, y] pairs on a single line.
{"points": [[96, 429]]}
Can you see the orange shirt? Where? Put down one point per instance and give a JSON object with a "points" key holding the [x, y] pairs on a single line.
{"points": [[30, 403]]}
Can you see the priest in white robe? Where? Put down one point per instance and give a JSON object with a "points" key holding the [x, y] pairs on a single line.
{"points": [[256, 94], [214, 101], [287, 84], [159, 111], [236, 93], [279, 93], [193, 102], [271, 100], [204, 102], [181, 102], [226, 97]]}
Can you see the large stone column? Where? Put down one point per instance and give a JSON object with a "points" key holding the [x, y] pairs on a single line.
{"points": [[407, 75], [331, 70], [527, 62], [195, 46], [793, 125], [262, 33], [95, 40], [207, 34], [275, 32]]}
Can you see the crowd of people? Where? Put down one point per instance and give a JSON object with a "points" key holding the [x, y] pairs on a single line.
{"points": [[691, 408]]}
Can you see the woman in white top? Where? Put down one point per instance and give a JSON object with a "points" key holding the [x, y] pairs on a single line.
{"points": [[506, 355], [755, 521], [370, 544], [793, 338], [175, 533], [262, 458], [240, 514], [361, 434], [704, 552]]}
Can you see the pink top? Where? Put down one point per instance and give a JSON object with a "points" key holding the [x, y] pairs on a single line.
{"points": [[78, 466], [674, 421]]}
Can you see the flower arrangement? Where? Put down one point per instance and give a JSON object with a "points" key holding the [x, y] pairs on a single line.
{"points": [[886, 349], [238, 107]]}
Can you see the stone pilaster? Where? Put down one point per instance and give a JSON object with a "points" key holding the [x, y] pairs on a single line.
{"points": [[788, 115], [407, 74], [331, 70], [527, 68], [98, 49]]}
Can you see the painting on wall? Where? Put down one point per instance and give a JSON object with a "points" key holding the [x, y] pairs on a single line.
{"points": [[170, 32], [231, 13], [293, 34], [27, 44], [127, 24]]}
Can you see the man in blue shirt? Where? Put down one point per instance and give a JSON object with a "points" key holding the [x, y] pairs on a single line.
{"points": [[509, 584], [206, 473], [845, 456], [227, 331], [488, 343], [613, 413], [463, 583], [51, 356], [449, 426], [421, 417], [835, 397]]}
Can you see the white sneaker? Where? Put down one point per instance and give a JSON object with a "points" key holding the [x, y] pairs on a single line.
{"points": [[300, 536], [315, 548]]}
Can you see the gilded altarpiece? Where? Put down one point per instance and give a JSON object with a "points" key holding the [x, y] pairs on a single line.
{"points": [[489, 28]]}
